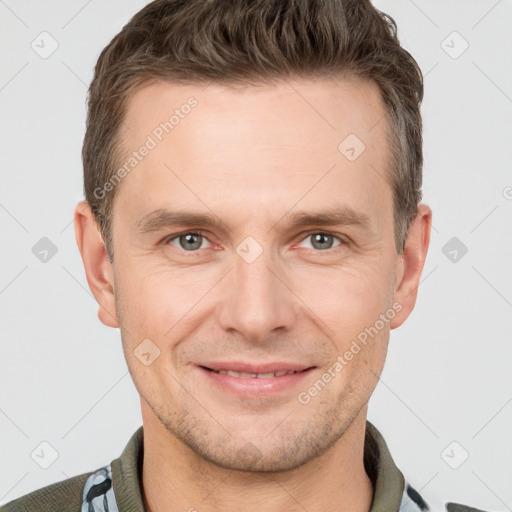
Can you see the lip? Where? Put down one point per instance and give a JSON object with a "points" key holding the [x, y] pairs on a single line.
{"points": [[243, 367], [255, 387]]}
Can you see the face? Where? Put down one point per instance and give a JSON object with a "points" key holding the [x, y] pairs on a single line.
{"points": [[247, 239]]}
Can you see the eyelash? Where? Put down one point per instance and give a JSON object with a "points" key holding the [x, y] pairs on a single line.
{"points": [[342, 240]]}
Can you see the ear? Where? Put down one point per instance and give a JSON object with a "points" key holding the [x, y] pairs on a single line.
{"points": [[98, 269], [411, 263]]}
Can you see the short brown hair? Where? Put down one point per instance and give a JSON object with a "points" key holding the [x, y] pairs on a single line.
{"points": [[240, 41]]}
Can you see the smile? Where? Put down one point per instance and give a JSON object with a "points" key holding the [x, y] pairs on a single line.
{"points": [[251, 384], [244, 375]]}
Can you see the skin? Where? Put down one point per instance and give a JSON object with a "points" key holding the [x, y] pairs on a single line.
{"points": [[254, 156]]}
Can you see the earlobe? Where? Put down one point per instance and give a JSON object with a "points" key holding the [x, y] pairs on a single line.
{"points": [[98, 268], [411, 262]]}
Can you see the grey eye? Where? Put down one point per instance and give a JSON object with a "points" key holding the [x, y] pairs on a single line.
{"points": [[190, 241], [322, 241]]}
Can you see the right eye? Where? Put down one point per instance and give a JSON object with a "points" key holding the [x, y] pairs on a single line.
{"points": [[189, 241]]}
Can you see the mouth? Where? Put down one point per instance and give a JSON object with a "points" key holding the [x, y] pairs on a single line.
{"points": [[249, 375], [254, 382]]}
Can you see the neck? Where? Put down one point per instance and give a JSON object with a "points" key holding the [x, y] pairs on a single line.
{"points": [[176, 478]]}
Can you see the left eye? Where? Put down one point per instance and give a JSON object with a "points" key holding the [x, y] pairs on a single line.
{"points": [[322, 241], [188, 241]]}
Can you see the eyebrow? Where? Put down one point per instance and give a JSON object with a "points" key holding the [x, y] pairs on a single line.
{"points": [[341, 216], [164, 218]]}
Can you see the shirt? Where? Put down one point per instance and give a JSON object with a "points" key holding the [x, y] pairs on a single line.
{"points": [[117, 487]]}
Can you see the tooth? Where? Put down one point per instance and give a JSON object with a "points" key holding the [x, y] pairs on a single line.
{"points": [[242, 375], [245, 375]]}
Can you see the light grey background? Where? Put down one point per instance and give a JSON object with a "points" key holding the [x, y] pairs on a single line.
{"points": [[448, 372]]}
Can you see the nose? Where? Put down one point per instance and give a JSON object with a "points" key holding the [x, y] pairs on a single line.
{"points": [[257, 300]]}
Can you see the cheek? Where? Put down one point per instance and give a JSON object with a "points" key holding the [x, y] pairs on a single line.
{"points": [[346, 306], [154, 307], [345, 299], [154, 299]]}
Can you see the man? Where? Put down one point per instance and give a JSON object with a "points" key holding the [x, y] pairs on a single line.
{"points": [[253, 226]]}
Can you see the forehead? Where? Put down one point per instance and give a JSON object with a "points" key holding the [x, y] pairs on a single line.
{"points": [[331, 108], [313, 141]]}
